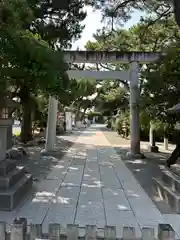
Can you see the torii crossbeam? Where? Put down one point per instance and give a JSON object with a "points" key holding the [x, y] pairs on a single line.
{"points": [[132, 58]]}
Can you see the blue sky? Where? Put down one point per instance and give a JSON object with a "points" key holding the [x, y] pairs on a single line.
{"points": [[93, 22]]}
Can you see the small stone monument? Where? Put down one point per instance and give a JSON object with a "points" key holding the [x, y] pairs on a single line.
{"points": [[68, 118], [14, 183], [11, 106], [152, 143]]}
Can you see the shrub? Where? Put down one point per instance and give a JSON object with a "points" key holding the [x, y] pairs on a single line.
{"points": [[117, 123], [113, 122], [123, 120], [108, 123]]}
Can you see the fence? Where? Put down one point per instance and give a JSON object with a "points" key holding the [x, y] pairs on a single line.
{"points": [[21, 231]]}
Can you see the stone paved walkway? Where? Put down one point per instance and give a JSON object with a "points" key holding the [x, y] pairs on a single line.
{"points": [[90, 185]]}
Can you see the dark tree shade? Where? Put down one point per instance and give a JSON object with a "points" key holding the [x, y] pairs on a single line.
{"points": [[58, 22], [61, 4], [177, 11]]}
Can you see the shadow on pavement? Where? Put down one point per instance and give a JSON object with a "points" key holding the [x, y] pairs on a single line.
{"points": [[39, 166], [144, 170]]}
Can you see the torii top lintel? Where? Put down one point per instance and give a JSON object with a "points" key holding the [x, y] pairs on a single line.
{"points": [[110, 56]]}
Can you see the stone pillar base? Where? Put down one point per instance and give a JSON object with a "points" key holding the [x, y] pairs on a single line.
{"points": [[14, 184], [53, 152], [154, 149], [135, 155]]}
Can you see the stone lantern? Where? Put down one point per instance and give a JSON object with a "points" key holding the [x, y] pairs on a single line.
{"points": [[14, 182], [7, 106]]}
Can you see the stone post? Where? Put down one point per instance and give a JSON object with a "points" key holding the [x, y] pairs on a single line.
{"points": [[165, 143], [73, 120], [165, 138], [51, 124], [152, 143], [68, 118], [134, 110]]}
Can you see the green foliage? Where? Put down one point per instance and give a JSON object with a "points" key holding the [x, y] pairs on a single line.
{"points": [[40, 111], [93, 114], [122, 124], [141, 37], [159, 82], [29, 64], [98, 115], [161, 85], [118, 12], [28, 61], [57, 22], [80, 91], [111, 98], [14, 14]]}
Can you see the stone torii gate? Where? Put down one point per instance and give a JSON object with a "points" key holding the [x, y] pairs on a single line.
{"points": [[132, 58]]}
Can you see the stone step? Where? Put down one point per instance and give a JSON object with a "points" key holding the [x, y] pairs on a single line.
{"points": [[171, 179], [10, 198], [12, 177], [176, 169], [167, 194], [6, 166]]}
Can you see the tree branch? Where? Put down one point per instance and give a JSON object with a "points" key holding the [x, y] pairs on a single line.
{"points": [[122, 5], [152, 22]]}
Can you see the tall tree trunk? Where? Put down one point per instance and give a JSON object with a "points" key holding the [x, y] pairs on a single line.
{"points": [[82, 116], [26, 130]]}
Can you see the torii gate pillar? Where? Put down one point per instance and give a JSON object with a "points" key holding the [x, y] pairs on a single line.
{"points": [[134, 110], [51, 124]]}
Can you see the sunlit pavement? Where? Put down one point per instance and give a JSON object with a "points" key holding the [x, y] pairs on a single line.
{"points": [[91, 185]]}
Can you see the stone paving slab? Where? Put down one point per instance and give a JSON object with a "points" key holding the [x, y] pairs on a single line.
{"points": [[121, 219], [57, 173], [92, 159], [109, 178], [91, 185], [35, 209], [78, 161], [92, 194], [115, 200], [91, 173], [132, 189], [59, 214], [67, 196], [91, 213], [92, 166], [48, 187], [73, 176]]}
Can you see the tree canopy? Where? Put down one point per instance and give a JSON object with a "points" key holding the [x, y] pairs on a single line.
{"points": [[32, 34], [121, 11], [57, 22], [159, 80]]}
